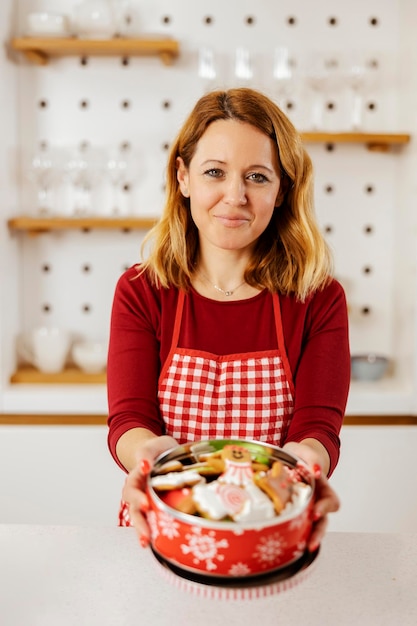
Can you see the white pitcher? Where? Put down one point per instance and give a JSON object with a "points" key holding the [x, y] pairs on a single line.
{"points": [[46, 348]]}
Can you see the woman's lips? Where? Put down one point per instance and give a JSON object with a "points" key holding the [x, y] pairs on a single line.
{"points": [[231, 222]]}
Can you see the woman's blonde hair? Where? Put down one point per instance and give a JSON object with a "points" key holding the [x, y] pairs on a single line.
{"points": [[291, 256]]}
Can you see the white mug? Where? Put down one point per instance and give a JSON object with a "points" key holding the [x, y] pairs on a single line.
{"points": [[47, 348]]}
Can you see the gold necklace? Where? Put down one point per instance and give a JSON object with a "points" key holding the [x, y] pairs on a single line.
{"points": [[225, 292]]}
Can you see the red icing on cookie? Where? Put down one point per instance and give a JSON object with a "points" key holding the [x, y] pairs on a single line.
{"points": [[232, 497], [174, 497]]}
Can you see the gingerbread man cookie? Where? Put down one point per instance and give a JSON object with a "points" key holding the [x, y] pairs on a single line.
{"points": [[234, 494]]}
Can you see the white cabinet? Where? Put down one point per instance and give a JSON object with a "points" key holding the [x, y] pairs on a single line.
{"points": [[376, 480], [65, 475], [58, 475]]}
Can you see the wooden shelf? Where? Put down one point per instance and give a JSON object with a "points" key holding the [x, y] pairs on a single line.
{"points": [[63, 419], [37, 225], [39, 50], [376, 142], [69, 376]]}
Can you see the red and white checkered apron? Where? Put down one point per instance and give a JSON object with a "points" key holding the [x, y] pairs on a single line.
{"points": [[234, 396]]}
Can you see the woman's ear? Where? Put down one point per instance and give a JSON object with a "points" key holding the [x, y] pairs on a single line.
{"points": [[182, 177]]}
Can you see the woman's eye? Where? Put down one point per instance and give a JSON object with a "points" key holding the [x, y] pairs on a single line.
{"points": [[257, 177], [214, 172]]}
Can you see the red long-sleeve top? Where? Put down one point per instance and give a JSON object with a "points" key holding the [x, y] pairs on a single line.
{"points": [[315, 335]]}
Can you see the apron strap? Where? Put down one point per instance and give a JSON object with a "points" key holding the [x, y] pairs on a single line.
{"points": [[281, 342], [175, 334]]}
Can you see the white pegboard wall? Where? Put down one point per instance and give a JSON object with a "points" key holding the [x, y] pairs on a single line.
{"points": [[69, 278], [110, 101], [356, 205]]}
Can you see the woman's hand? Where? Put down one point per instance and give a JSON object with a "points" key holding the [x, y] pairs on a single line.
{"points": [[327, 500], [134, 488]]}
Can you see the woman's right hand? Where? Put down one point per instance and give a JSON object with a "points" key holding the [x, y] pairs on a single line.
{"points": [[133, 493]]}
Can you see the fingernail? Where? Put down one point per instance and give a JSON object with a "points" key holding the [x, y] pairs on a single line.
{"points": [[317, 515], [313, 546], [317, 470], [144, 541], [145, 467]]}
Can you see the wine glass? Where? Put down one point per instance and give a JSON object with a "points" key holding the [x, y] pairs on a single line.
{"points": [[282, 72], [116, 167], [361, 75], [322, 75], [84, 169], [125, 17], [357, 80], [206, 65], [243, 65], [45, 171]]}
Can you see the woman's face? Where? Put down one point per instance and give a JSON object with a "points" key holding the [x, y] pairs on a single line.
{"points": [[233, 184]]}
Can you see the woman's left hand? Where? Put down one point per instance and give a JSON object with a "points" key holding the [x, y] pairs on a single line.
{"points": [[327, 500]]}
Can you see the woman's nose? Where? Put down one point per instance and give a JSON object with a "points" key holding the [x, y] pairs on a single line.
{"points": [[235, 193]]}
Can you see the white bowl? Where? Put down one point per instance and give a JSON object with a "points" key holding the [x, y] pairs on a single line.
{"points": [[90, 356], [47, 24], [95, 19], [368, 366]]}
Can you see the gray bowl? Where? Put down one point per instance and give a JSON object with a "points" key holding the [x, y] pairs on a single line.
{"points": [[368, 366]]}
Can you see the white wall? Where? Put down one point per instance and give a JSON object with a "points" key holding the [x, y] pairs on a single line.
{"points": [[388, 291]]}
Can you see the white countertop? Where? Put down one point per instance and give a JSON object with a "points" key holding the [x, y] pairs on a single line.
{"points": [[76, 576]]}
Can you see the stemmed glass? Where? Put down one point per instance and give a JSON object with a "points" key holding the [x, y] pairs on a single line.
{"points": [[283, 72], [361, 75], [357, 80], [45, 169], [206, 65], [322, 75], [243, 65], [84, 169], [116, 168], [124, 15]]}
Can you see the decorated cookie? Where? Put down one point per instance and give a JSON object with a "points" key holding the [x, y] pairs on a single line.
{"points": [[180, 499], [176, 480], [234, 494], [277, 484]]}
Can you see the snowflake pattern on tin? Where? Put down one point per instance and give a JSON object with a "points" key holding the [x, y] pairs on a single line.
{"points": [[204, 547], [269, 548], [300, 549], [167, 525], [239, 569], [299, 521]]}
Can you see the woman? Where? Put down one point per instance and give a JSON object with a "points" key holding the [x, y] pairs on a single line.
{"points": [[233, 327]]}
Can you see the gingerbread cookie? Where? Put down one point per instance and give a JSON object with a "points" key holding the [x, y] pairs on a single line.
{"points": [[176, 480], [277, 484]]}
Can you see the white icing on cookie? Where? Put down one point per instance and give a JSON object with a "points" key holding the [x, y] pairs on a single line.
{"points": [[257, 507], [218, 500], [237, 473], [208, 501], [173, 480]]}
